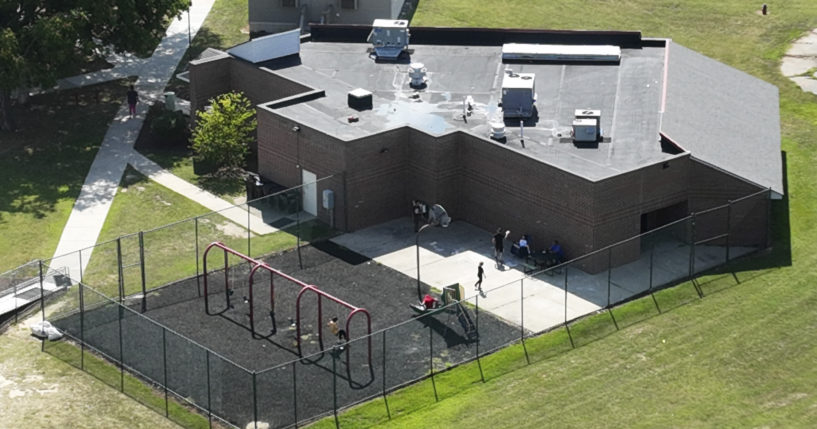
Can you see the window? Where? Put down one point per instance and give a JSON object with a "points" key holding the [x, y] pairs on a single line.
{"points": [[289, 3], [348, 4]]}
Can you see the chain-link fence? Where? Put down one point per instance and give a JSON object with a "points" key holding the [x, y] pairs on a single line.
{"points": [[171, 373]]}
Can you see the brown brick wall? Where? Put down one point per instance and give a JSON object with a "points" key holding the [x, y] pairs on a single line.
{"points": [[208, 79], [747, 219], [376, 181], [621, 200], [503, 188]]}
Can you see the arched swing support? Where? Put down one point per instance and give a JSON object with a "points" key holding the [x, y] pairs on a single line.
{"points": [[227, 251], [273, 272], [355, 310]]}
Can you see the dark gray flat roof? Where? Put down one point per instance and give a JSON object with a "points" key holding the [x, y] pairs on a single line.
{"points": [[724, 117], [628, 95]]}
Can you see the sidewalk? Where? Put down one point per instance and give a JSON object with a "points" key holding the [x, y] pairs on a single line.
{"points": [[97, 194]]}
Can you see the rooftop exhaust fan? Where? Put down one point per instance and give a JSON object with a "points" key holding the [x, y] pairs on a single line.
{"points": [[417, 73]]}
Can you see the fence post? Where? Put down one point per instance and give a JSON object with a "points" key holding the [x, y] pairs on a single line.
{"points": [[164, 367], [142, 268], [522, 317], [42, 297], [609, 273], [119, 269], [692, 247], [198, 269], [254, 401], [385, 398], [479, 339], [335, 353], [209, 398], [81, 326], [295, 393], [81, 276], [569, 335], [431, 361], [298, 230], [768, 219], [728, 227], [121, 353], [14, 297]]}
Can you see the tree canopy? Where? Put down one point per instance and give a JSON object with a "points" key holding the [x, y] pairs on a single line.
{"points": [[223, 134], [40, 38]]}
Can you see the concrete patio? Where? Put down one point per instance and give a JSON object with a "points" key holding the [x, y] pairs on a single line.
{"points": [[451, 255]]}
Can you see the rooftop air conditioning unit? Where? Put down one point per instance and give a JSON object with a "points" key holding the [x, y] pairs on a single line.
{"points": [[389, 38], [587, 125], [518, 94]]}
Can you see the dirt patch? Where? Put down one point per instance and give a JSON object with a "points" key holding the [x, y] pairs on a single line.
{"points": [[38, 390]]}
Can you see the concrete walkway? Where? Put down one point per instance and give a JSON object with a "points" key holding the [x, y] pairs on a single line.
{"points": [[97, 194], [800, 62]]}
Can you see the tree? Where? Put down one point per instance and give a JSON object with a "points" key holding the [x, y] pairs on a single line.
{"points": [[223, 134], [39, 39]]}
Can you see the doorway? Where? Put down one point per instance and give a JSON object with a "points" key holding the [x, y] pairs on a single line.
{"points": [[309, 192], [658, 218]]}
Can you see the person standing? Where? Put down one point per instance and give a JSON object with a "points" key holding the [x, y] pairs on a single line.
{"points": [[480, 275], [133, 98], [415, 209], [499, 245]]}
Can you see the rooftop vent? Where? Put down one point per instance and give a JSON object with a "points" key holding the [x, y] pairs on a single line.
{"points": [[417, 73], [587, 126], [518, 94], [389, 38], [498, 131], [359, 99]]}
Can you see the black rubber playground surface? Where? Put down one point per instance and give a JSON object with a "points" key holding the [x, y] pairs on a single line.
{"points": [[286, 389]]}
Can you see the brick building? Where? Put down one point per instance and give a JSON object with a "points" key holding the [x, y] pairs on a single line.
{"points": [[680, 132]]}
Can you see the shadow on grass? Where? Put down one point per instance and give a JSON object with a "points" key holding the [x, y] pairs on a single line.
{"points": [[47, 159], [204, 38]]}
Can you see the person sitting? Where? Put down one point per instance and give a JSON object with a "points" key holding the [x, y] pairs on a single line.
{"points": [[429, 302], [340, 333], [524, 249], [557, 252]]}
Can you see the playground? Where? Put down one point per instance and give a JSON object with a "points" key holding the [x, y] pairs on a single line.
{"points": [[274, 356]]}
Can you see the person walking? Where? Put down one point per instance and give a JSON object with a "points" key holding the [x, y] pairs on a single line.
{"points": [[480, 275], [133, 98]]}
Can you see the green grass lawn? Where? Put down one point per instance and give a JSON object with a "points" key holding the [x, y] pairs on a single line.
{"points": [[44, 165], [744, 356], [170, 237]]}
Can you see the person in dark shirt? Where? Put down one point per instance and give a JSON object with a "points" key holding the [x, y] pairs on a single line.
{"points": [[499, 246], [133, 98], [480, 275], [557, 252]]}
